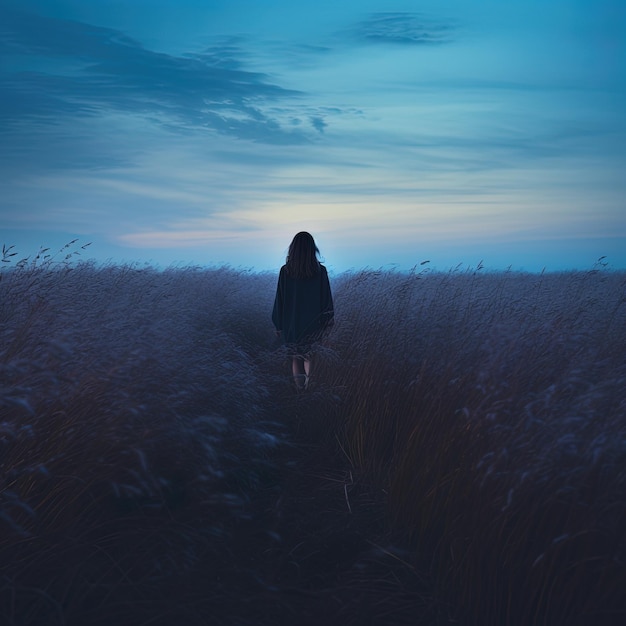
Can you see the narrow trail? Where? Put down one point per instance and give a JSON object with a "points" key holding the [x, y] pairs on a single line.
{"points": [[305, 544], [320, 543]]}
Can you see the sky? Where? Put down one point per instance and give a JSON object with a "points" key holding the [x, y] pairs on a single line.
{"points": [[209, 132]]}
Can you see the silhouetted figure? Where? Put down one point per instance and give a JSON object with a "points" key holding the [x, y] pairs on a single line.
{"points": [[303, 306]]}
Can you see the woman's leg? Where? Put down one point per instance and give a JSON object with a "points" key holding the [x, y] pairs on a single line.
{"points": [[307, 371], [299, 372]]}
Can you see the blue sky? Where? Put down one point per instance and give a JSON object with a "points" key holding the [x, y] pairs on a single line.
{"points": [[211, 131]]}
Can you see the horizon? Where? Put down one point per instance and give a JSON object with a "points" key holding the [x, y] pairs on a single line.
{"points": [[76, 252]]}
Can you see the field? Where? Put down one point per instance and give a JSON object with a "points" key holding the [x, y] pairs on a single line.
{"points": [[460, 456]]}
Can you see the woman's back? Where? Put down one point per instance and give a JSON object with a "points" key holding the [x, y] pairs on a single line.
{"points": [[303, 306]]}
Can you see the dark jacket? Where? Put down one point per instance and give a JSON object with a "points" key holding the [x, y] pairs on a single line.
{"points": [[303, 307]]}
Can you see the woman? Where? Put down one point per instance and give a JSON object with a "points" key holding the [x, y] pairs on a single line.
{"points": [[303, 306]]}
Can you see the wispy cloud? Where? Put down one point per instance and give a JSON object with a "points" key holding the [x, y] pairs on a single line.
{"points": [[318, 123], [69, 68], [404, 28]]}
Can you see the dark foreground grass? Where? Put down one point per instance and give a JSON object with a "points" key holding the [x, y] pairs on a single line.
{"points": [[460, 456], [492, 408]]}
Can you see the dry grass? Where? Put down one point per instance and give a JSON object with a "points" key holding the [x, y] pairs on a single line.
{"points": [[142, 443], [492, 409]]}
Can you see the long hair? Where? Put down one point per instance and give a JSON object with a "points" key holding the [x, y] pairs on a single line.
{"points": [[302, 257]]}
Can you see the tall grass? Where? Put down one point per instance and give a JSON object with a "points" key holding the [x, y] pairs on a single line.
{"points": [[491, 408], [143, 411], [131, 429]]}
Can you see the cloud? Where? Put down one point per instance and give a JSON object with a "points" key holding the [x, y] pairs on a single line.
{"points": [[318, 123], [403, 28], [69, 68]]}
